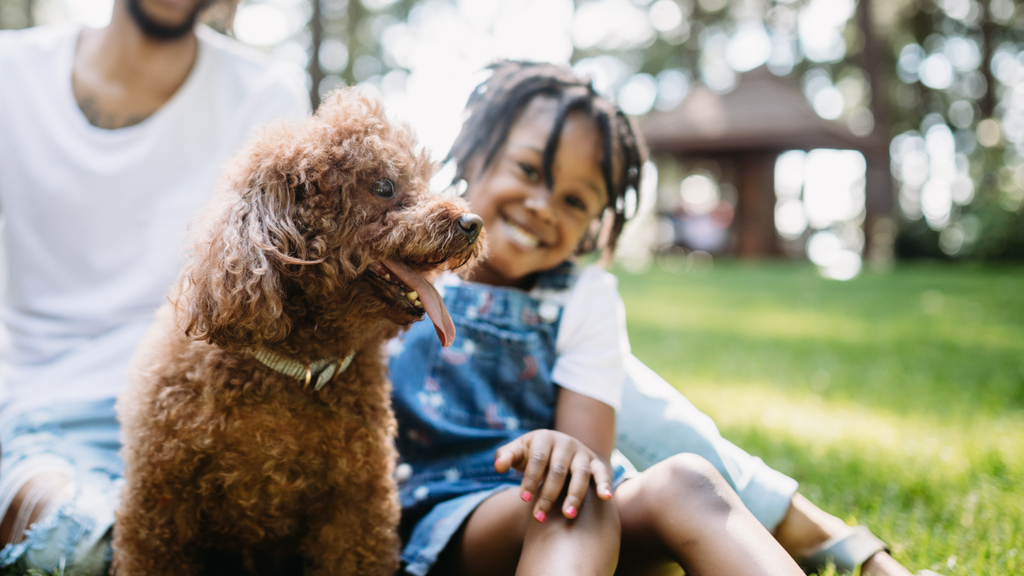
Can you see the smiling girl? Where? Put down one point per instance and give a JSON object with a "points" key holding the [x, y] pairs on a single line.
{"points": [[507, 437]]}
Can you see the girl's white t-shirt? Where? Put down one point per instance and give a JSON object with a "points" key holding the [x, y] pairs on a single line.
{"points": [[592, 342], [94, 219]]}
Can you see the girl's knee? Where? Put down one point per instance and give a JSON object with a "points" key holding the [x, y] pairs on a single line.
{"points": [[602, 513], [588, 543], [692, 468], [596, 517], [692, 481]]}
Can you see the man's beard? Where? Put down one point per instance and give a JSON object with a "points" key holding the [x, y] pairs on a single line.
{"points": [[158, 31]]}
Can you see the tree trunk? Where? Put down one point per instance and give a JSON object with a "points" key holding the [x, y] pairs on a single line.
{"points": [[878, 190], [988, 31], [353, 18], [316, 32]]}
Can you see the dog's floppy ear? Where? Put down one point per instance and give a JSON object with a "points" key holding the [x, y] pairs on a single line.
{"points": [[230, 291]]}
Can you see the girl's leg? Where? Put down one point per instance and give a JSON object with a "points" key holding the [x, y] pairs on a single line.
{"points": [[682, 512], [502, 538], [806, 527], [657, 422]]}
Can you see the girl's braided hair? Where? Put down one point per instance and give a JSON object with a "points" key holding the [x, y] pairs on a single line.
{"points": [[495, 105]]}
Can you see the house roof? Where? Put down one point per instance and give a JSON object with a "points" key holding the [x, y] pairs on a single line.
{"points": [[763, 112]]}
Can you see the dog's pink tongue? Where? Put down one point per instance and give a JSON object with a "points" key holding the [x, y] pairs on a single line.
{"points": [[432, 301]]}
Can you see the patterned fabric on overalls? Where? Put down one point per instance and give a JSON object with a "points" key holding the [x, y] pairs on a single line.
{"points": [[456, 406]]}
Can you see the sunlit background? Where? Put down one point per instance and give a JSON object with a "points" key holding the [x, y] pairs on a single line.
{"points": [[940, 83], [851, 134]]}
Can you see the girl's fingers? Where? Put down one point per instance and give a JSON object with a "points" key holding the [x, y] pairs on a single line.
{"points": [[547, 459], [537, 453], [558, 470], [579, 483], [511, 455], [602, 478]]}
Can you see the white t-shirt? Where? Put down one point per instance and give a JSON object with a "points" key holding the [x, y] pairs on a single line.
{"points": [[95, 219], [592, 341]]}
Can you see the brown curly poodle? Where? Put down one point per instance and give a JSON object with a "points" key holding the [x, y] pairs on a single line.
{"points": [[257, 423]]}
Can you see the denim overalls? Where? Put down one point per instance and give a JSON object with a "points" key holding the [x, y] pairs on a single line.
{"points": [[456, 406]]}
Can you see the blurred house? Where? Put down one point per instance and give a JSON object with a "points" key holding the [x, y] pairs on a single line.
{"points": [[747, 129]]}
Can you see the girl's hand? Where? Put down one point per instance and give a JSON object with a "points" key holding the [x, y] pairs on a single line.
{"points": [[546, 458]]}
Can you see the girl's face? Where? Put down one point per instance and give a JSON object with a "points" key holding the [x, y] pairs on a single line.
{"points": [[530, 227]]}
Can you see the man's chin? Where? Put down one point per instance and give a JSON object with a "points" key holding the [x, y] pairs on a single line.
{"points": [[157, 30]]}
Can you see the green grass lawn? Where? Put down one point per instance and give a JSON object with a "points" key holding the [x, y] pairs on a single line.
{"points": [[896, 400]]}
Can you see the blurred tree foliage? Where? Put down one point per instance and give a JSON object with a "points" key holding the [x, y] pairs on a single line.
{"points": [[925, 73], [346, 41], [942, 79], [981, 101], [16, 14]]}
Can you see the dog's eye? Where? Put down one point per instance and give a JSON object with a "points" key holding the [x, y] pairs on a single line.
{"points": [[383, 188]]}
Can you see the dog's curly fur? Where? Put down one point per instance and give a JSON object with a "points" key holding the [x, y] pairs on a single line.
{"points": [[224, 454]]}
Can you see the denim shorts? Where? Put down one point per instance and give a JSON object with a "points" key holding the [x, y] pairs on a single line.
{"points": [[81, 441], [656, 422]]}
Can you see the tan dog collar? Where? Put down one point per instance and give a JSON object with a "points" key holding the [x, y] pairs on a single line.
{"points": [[319, 373]]}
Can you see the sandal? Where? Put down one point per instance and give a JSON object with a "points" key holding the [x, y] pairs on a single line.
{"points": [[847, 552]]}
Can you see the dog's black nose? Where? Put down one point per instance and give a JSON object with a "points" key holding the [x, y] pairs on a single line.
{"points": [[471, 224]]}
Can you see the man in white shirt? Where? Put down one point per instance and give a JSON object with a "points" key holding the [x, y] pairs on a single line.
{"points": [[110, 141]]}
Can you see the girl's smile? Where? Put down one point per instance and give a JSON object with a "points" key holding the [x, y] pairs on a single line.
{"points": [[531, 227]]}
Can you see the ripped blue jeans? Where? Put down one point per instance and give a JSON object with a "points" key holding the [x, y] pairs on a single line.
{"points": [[80, 441]]}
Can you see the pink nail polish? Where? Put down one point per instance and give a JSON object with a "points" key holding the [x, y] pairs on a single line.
{"points": [[540, 516], [570, 512], [526, 496]]}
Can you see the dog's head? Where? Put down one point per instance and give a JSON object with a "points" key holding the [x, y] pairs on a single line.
{"points": [[320, 233]]}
